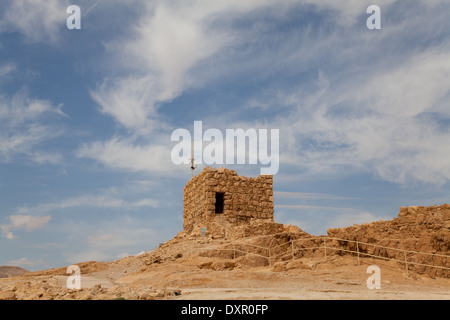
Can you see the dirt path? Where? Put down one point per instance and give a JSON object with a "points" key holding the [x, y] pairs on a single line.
{"points": [[305, 294]]}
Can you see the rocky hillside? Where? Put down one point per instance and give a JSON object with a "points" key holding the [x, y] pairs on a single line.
{"points": [[260, 255], [9, 271], [422, 229]]}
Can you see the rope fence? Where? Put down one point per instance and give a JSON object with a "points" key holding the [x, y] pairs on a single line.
{"points": [[323, 244]]}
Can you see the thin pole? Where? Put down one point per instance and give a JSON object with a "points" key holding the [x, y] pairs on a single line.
{"points": [[292, 247], [357, 250], [406, 263], [192, 158]]}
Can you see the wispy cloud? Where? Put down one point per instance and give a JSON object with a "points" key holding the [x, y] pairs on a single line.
{"points": [[23, 222], [388, 124], [7, 68], [124, 154], [107, 240], [383, 113], [329, 219], [94, 240], [305, 195], [25, 262], [37, 20], [348, 219], [361, 111], [167, 42], [88, 200], [305, 206], [23, 127]]}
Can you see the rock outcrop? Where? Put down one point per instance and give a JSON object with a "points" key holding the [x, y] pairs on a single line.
{"points": [[417, 228], [11, 271]]}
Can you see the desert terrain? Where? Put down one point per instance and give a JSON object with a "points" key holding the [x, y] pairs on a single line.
{"points": [[196, 277], [11, 271], [194, 267]]}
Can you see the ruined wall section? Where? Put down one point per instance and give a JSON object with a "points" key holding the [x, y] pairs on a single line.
{"points": [[195, 207], [417, 228], [244, 199]]}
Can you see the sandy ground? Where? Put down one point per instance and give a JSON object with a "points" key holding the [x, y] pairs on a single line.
{"points": [[332, 278], [197, 277]]}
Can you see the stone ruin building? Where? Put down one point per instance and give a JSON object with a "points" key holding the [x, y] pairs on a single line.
{"points": [[216, 200]]}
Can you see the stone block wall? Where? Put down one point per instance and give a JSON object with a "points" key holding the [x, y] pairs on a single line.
{"points": [[244, 198]]}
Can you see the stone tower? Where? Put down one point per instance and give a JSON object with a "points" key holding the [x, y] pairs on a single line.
{"points": [[219, 197]]}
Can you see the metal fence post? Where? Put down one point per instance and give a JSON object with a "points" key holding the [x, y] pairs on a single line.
{"points": [[357, 251], [406, 263], [292, 248]]}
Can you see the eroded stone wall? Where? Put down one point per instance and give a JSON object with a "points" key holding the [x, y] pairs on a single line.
{"points": [[244, 199], [417, 228]]}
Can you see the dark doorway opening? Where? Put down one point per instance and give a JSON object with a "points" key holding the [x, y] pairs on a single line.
{"points": [[219, 202]]}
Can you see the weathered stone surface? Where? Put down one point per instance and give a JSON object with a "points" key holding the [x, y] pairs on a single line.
{"points": [[417, 228], [245, 199], [7, 295]]}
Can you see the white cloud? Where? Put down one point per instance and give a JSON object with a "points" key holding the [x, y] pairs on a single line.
{"points": [[44, 158], [109, 239], [6, 69], [314, 207], [25, 262], [384, 128], [145, 203], [95, 240], [130, 156], [84, 200], [37, 20], [6, 232], [167, 42], [22, 128], [21, 108], [366, 113], [317, 219], [305, 195], [23, 222], [173, 46], [348, 219], [130, 101], [385, 111], [122, 255], [28, 223], [88, 200]]}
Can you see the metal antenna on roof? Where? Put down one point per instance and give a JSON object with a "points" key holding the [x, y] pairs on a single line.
{"points": [[192, 159]]}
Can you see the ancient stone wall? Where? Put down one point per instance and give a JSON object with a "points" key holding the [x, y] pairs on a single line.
{"points": [[243, 199], [417, 228]]}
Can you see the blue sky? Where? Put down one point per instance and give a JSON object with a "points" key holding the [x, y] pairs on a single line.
{"points": [[86, 115]]}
